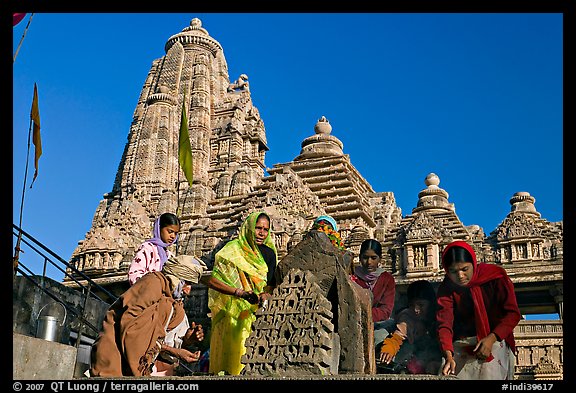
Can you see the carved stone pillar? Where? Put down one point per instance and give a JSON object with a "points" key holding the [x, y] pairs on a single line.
{"points": [[558, 293]]}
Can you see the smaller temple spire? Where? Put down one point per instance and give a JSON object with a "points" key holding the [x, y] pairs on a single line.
{"points": [[433, 197], [523, 202], [322, 144]]}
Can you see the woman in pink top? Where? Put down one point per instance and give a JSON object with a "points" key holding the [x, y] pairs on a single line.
{"points": [[153, 253], [151, 257], [381, 283]]}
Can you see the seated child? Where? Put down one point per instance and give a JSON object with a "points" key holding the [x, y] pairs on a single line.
{"points": [[414, 344]]}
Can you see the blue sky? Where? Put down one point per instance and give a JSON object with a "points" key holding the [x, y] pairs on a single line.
{"points": [[475, 98]]}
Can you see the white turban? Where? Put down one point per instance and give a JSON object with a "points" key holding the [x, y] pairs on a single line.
{"points": [[184, 267]]}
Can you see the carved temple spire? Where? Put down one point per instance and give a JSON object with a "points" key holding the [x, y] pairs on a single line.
{"points": [[523, 202], [433, 197], [322, 144], [194, 35]]}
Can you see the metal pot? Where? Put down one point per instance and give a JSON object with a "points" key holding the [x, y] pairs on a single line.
{"points": [[47, 327]]}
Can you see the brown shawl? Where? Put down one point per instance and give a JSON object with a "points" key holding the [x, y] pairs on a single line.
{"points": [[134, 326]]}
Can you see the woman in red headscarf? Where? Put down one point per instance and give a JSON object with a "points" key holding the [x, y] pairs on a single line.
{"points": [[477, 314]]}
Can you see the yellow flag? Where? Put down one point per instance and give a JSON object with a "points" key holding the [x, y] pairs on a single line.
{"points": [[35, 117], [184, 147]]}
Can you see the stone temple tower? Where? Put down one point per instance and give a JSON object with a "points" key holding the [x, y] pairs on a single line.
{"points": [[228, 146], [228, 141]]}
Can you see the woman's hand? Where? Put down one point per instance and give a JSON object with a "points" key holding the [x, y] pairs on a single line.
{"points": [[264, 299], [483, 350], [249, 296], [450, 365]]}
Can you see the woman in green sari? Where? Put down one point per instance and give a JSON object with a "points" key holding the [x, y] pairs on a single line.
{"points": [[242, 279]]}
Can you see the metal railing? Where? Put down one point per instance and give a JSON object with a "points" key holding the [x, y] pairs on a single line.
{"points": [[69, 271]]}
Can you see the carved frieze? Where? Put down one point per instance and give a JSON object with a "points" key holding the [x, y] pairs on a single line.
{"points": [[423, 227], [518, 226]]}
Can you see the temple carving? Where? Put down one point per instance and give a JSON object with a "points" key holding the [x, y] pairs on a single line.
{"points": [[229, 146]]}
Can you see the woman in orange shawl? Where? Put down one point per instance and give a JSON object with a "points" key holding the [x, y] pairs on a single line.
{"points": [[477, 314], [242, 278]]}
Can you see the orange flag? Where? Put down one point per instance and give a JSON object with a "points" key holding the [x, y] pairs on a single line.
{"points": [[35, 118]]}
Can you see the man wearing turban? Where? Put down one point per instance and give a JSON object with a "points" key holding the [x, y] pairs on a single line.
{"points": [[146, 321]]}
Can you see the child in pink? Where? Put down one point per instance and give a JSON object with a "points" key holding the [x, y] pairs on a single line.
{"points": [[153, 253]]}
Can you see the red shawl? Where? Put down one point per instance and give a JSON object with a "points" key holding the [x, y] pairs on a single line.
{"points": [[482, 273]]}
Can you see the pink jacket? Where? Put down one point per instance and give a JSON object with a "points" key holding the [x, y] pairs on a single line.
{"points": [[146, 260]]}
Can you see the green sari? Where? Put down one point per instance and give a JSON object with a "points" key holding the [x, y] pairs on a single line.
{"points": [[240, 265]]}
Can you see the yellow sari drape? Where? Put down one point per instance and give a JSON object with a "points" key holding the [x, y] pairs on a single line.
{"points": [[241, 265]]}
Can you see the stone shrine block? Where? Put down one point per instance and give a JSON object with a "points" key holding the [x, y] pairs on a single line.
{"points": [[351, 305], [293, 335]]}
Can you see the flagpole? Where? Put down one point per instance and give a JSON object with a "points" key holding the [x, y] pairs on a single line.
{"points": [[17, 248], [184, 154], [178, 213], [22, 39], [178, 178]]}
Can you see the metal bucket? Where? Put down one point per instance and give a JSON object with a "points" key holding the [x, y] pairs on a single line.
{"points": [[48, 328]]}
